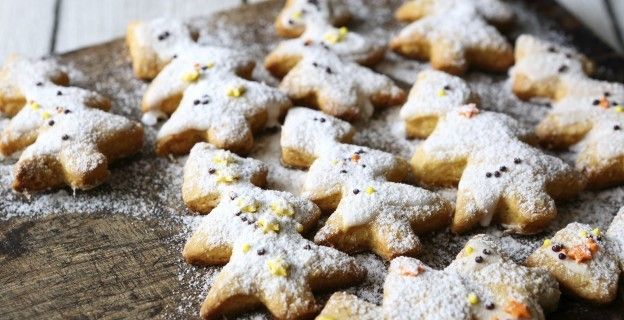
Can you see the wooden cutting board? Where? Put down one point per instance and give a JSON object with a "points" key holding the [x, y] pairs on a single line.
{"points": [[114, 252]]}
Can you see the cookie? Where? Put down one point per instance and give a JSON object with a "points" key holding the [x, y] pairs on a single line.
{"points": [[210, 174], [298, 15], [433, 95], [343, 306], [481, 283], [337, 87], [615, 233], [545, 69], [203, 88], [586, 114], [371, 213], [257, 233], [279, 272], [341, 41], [500, 178], [64, 138], [495, 12], [31, 95], [579, 256], [454, 40]]}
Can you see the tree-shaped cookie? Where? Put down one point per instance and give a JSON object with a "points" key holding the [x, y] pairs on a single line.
{"points": [[337, 87], [586, 114], [580, 257], [455, 39], [433, 95], [64, 138], [370, 212], [341, 41], [298, 15], [257, 233], [204, 87], [30, 95], [279, 272], [495, 12], [501, 179], [481, 283]]}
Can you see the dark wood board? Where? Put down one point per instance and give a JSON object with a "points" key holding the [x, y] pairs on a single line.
{"points": [[63, 258]]}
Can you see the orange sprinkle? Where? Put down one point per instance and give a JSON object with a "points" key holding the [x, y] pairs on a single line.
{"points": [[580, 253], [518, 309], [355, 157], [592, 246], [604, 103], [410, 272]]}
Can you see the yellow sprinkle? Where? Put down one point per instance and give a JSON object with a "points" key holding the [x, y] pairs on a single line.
{"points": [[224, 159], [469, 250], [246, 247], [236, 92], [226, 178], [247, 205], [191, 76], [297, 15], [334, 37], [619, 108], [267, 227], [370, 190], [299, 227], [473, 298], [441, 92], [277, 267], [209, 65], [324, 318], [282, 209], [596, 232], [584, 234], [35, 106], [334, 162], [46, 115], [547, 243], [343, 30]]}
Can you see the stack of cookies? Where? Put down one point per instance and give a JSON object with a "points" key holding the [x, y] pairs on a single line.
{"points": [[276, 249]]}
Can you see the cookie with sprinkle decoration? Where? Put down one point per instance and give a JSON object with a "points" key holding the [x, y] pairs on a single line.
{"points": [[454, 39], [297, 16], [615, 233], [495, 12], [369, 211], [581, 259], [282, 278], [64, 138], [500, 178], [35, 97], [339, 88], [341, 41], [203, 88], [433, 95], [257, 233], [587, 115], [481, 283]]}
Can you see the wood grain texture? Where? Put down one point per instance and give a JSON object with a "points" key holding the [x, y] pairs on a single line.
{"points": [[26, 27]]}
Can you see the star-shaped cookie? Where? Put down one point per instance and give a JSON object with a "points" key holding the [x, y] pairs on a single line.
{"points": [[580, 257], [501, 178], [297, 16], [495, 12], [455, 39], [433, 95]]}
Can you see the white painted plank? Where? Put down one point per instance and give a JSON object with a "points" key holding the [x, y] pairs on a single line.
{"points": [[594, 15], [26, 27], [86, 22]]}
